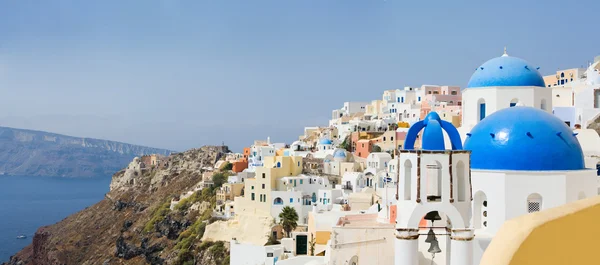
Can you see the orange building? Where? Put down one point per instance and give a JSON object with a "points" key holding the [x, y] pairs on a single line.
{"points": [[240, 165], [246, 152], [363, 148]]}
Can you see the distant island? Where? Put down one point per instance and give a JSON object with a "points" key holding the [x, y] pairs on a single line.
{"points": [[38, 153]]}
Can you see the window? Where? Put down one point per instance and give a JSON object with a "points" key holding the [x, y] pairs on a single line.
{"points": [[300, 182], [278, 201], [481, 211], [298, 163], [402, 99], [436, 92], [264, 175], [392, 138], [291, 200], [481, 109], [419, 99], [453, 93], [428, 92], [543, 104], [534, 203], [252, 196], [252, 187], [263, 186], [407, 179], [562, 75], [384, 138]]}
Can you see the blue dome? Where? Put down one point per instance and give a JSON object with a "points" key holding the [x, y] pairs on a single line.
{"points": [[506, 71], [433, 134], [325, 141], [339, 154], [523, 138]]}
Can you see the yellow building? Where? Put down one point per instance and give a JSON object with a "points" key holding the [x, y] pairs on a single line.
{"points": [[557, 236], [257, 191]]}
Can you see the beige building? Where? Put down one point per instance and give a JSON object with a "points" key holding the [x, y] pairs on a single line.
{"points": [[257, 191], [564, 77], [229, 191]]}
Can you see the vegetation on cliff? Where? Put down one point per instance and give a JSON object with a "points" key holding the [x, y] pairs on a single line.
{"points": [[135, 223]]}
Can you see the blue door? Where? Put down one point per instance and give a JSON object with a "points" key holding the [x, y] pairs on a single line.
{"points": [[481, 111]]}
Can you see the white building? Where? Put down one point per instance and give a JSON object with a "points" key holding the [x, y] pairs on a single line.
{"points": [[377, 162], [578, 102], [516, 170], [500, 83], [257, 155]]}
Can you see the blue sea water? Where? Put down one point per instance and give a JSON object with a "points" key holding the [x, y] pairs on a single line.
{"points": [[27, 203]]}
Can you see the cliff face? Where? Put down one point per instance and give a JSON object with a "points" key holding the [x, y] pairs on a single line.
{"points": [[36, 153], [136, 222]]}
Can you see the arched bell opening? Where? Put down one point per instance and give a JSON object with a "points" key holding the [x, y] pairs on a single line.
{"points": [[434, 238]]}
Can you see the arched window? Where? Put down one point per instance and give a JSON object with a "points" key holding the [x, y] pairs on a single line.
{"points": [[481, 108], [453, 93], [513, 102], [534, 203], [434, 181], [480, 213], [407, 179], [461, 182], [562, 74], [353, 261], [278, 201], [543, 104]]}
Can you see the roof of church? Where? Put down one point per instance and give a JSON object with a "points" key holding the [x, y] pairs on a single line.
{"points": [[506, 71], [524, 138]]}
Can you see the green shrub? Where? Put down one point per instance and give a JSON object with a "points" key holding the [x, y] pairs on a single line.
{"points": [[157, 215]]}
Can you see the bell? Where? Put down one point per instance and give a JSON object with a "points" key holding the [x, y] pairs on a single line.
{"points": [[435, 247], [433, 216], [430, 236]]}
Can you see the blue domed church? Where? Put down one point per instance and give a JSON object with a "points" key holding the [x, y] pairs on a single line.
{"points": [[500, 83], [511, 157]]}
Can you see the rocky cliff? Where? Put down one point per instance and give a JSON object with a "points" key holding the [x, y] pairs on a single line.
{"points": [[36, 153], [142, 220]]}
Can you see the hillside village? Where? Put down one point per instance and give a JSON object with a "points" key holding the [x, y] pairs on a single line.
{"points": [[368, 188], [405, 179]]}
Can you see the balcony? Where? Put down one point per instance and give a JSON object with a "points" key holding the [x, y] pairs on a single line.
{"points": [[347, 187]]}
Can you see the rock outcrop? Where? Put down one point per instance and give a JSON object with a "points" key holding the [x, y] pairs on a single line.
{"points": [[134, 224]]}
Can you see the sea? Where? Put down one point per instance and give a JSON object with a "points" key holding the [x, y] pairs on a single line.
{"points": [[27, 203]]}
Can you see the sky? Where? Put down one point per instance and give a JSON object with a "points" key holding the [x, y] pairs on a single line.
{"points": [[182, 74]]}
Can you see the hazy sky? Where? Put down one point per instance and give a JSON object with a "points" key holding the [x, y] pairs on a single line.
{"points": [[180, 74]]}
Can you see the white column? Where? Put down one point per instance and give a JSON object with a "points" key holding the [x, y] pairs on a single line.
{"points": [[407, 246], [461, 250]]}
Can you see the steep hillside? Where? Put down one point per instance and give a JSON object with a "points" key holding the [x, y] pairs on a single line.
{"points": [[134, 223], [36, 153]]}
